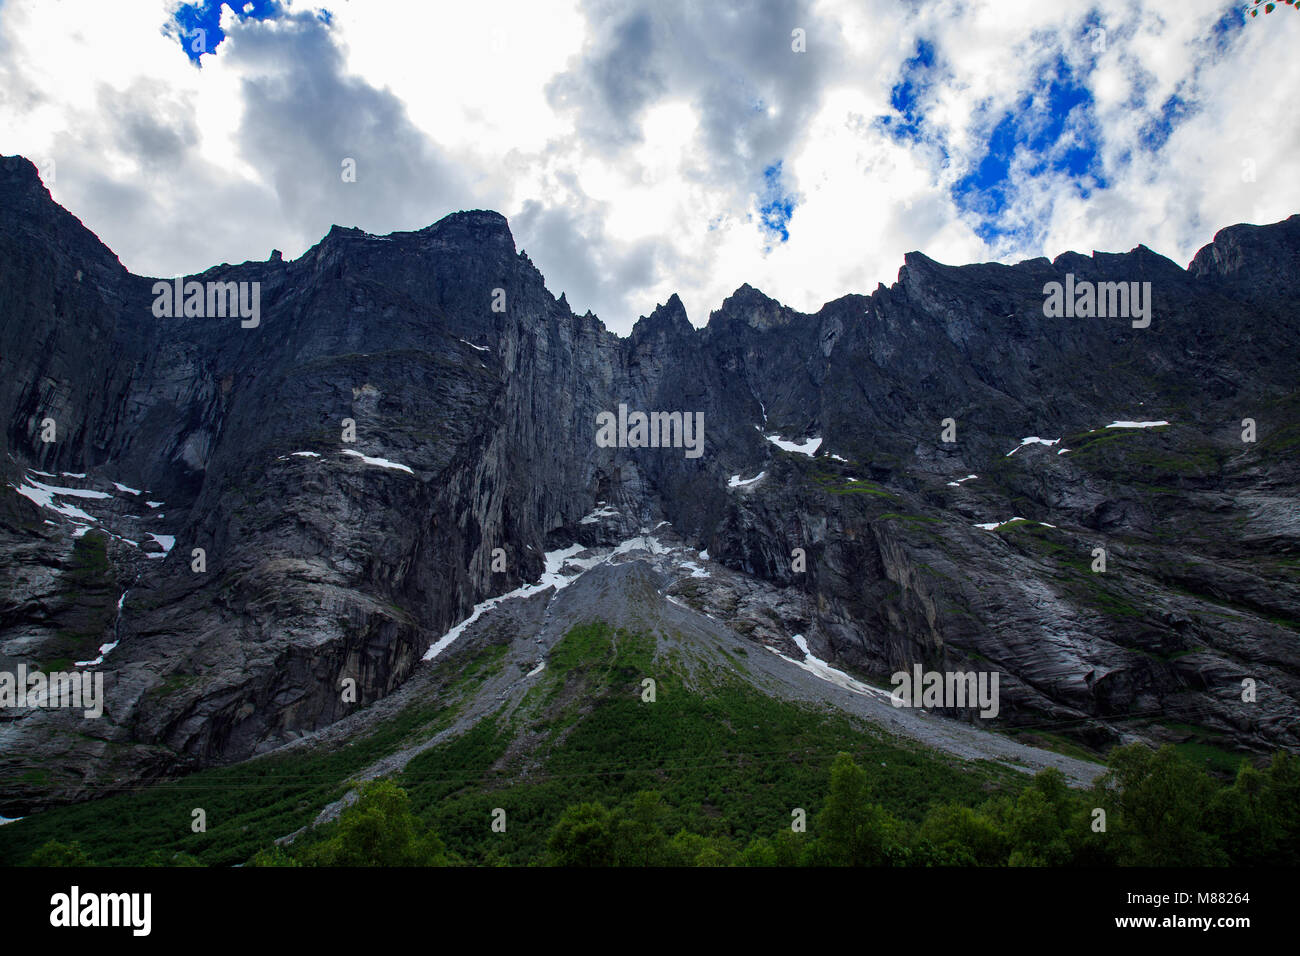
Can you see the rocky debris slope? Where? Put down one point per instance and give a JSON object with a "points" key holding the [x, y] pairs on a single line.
{"points": [[410, 429], [637, 585]]}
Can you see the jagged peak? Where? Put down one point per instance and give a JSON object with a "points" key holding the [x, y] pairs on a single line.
{"points": [[1265, 257], [476, 224], [753, 307], [918, 259], [917, 264], [488, 217], [667, 316], [21, 172], [336, 231], [747, 293], [24, 197], [1070, 258]]}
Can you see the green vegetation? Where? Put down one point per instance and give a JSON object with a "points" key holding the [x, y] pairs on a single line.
{"points": [[55, 853], [1149, 809], [709, 773], [1057, 743], [247, 805], [832, 480], [1151, 459], [378, 829], [89, 594], [1094, 441], [859, 488]]}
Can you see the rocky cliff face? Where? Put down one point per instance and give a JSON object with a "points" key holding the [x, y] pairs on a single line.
{"points": [[409, 404]]}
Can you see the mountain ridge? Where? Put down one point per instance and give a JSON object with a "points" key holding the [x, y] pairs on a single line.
{"points": [[474, 433]]}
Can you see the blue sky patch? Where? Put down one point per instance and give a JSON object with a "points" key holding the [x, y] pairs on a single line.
{"points": [[776, 206], [1050, 131], [1173, 110], [918, 75], [191, 18]]}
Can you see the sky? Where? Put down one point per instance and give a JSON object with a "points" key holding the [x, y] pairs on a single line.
{"points": [[645, 147]]}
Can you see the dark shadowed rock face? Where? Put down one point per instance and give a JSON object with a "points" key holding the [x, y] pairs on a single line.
{"points": [[474, 395]]}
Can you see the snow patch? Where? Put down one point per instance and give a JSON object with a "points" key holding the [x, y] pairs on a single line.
{"points": [[69, 492], [640, 543], [551, 577], [103, 652], [695, 569], [959, 481], [994, 525], [807, 448], [381, 462], [121, 487], [595, 516], [1033, 440], [44, 496], [819, 668], [167, 541], [1135, 424], [736, 482]]}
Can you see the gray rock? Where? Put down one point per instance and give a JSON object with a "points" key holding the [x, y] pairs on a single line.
{"points": [[327, 567]]}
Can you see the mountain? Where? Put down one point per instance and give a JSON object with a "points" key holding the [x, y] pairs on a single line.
{"points": [[471, 397]]}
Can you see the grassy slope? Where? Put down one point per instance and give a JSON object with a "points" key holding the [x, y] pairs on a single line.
{"points": [[727, 759]]}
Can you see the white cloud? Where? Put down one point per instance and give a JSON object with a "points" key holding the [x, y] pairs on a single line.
{"points": [[626, 142]]}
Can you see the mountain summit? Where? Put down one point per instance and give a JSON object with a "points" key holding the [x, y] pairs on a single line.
{"points": [[233, 522]]}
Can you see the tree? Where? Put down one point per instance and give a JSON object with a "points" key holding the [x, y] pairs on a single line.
{"points": [[960, 836], [583, 836], [54, 853], [273, 856], [1157, 807], [1039, 823], [1255, 818], [1036, 832], [640, 838], [852, 831], [179, 858], [760, 852], [1283, 785], [379, 829]]}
